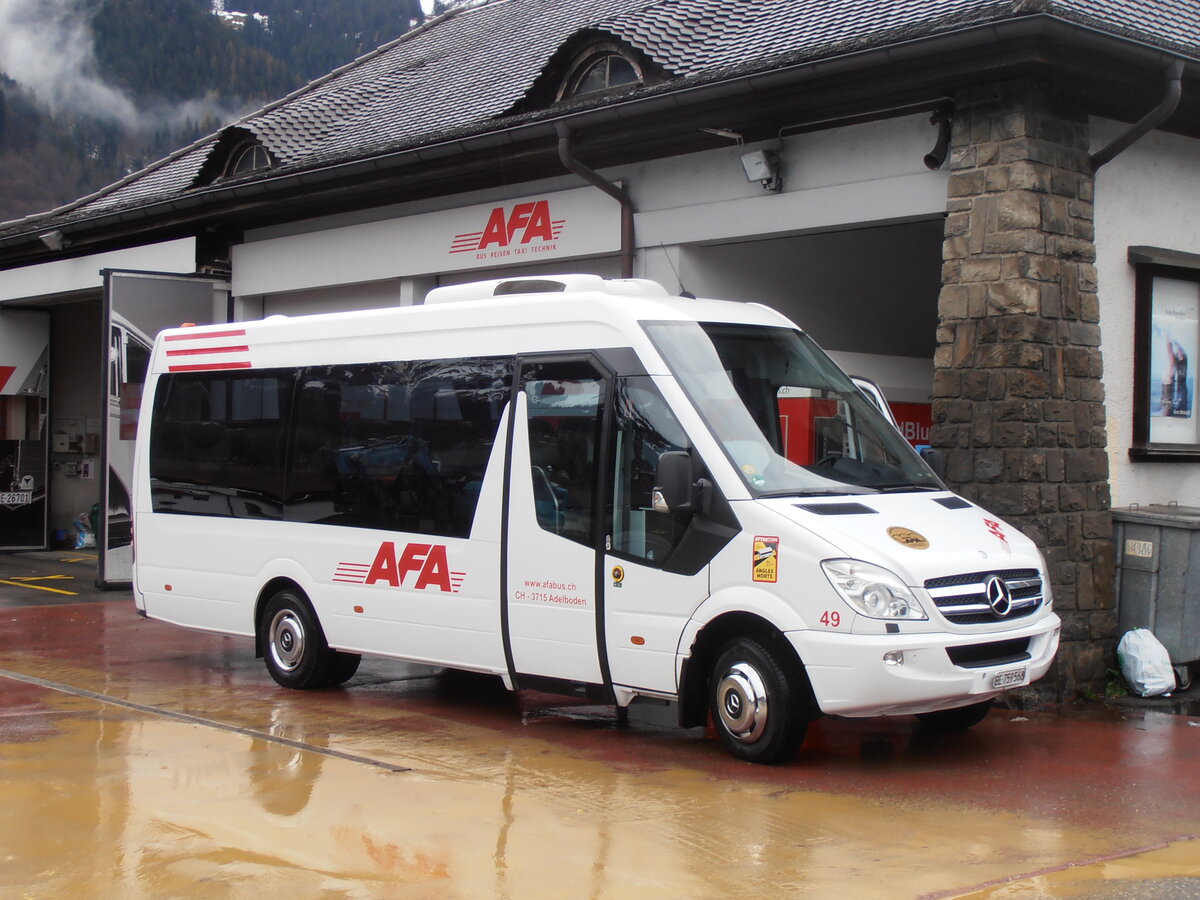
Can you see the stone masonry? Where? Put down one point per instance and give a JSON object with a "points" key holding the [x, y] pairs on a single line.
{"points": [[1018, 402]]}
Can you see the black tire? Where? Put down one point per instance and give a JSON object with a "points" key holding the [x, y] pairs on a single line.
{"points": [[759, 702], [344, 666], [293, 644], [959, 719]]}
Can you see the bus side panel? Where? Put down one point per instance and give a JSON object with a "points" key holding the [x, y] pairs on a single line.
{"points": [[199, 570], [419, 597]]}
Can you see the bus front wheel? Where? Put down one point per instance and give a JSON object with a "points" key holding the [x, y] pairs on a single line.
{"points": [[293, 643], [756, 702]]}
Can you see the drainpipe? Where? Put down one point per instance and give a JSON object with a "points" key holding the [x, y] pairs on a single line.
{"points": [[591, 176], [1154, 118]]}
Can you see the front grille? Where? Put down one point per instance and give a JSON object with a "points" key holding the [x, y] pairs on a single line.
{"points": [[961, 598], [995, 653]]}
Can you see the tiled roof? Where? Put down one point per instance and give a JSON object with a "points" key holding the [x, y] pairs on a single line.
{"points": [[467, 68]]}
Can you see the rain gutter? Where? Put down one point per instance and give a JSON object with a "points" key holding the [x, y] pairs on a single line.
{"points": [[1172, 91], [591, 176]]}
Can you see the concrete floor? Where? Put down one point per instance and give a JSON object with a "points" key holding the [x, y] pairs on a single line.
{"points": [[141, 760]]}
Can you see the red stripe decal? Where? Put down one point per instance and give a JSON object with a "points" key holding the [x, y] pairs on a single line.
{"points": [[192, 351], [6, 372], [209, 367], [241, 332]]}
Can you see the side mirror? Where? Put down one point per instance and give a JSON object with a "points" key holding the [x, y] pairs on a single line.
{"points": [[673, 488], [936, 460]]}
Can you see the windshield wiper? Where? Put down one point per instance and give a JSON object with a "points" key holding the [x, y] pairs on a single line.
{"points": [[899, 488]]}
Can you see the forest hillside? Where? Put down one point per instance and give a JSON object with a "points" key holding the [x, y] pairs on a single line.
{"points": [[91, 90]]}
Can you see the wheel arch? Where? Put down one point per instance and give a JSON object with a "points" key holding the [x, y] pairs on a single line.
{"points": [[696, 667]]}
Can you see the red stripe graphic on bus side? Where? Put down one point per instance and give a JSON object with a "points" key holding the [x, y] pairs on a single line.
{"points": [[236, 353], [352, 573]]}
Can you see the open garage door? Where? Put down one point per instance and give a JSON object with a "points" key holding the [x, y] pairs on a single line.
{"points": [[137, 306], [24, 450]]}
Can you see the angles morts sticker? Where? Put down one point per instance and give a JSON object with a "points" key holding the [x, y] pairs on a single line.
{"points": [[766, 558]]}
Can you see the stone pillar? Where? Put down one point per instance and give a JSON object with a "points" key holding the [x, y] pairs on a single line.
{"points": [[1018, 402]]}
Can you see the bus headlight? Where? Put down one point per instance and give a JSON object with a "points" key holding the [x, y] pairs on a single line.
{"points": [[872, 590], [1047, 594]]}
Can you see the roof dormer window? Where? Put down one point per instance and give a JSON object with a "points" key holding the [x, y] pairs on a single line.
{"points": [[602, 67], [247, 157], [236, 153]]}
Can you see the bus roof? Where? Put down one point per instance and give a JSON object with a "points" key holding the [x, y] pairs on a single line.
{"points": [[488, 318]]}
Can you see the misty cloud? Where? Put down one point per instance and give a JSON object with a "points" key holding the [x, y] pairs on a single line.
{"points": [[47, 46]]}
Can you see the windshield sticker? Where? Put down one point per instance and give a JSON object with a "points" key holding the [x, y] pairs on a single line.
{"points": [[909, 538], [766, 558]]}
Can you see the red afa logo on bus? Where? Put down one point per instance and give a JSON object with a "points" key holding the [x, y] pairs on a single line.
{"points": [[419, 566]]}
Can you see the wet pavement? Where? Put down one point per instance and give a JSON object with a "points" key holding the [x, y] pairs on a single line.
{"points": [[142, 760]]}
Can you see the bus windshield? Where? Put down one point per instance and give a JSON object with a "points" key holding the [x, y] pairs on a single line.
{"points": [[791, 421]]}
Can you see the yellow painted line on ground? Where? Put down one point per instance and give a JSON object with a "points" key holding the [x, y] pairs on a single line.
{"points": [[75, 559], [42, 577], [38, 587]]}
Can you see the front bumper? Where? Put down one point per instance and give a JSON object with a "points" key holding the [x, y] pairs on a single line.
{"points": [[850, 678]]}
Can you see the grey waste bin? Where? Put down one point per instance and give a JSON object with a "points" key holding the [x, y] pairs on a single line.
{"points": [[1158, 575]]}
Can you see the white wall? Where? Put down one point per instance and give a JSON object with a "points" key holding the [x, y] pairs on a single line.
{"points": [[67, 276], [1147, 196], [840, 178]]}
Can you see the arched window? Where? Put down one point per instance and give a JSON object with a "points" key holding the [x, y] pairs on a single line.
{"points": [[247, 157], [602, 67]]}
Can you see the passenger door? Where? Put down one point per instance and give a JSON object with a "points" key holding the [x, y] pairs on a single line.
{"points": [[653, 580], [553, 533]]}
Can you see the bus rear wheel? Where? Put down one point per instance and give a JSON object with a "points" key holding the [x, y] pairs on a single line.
{"points": [[756, 702], [294, 645]]}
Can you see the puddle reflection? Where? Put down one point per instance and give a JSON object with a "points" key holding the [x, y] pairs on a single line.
{"points": [[146, 807]]}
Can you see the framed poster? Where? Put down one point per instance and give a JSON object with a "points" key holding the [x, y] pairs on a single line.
{"points": [[1167, 353]]}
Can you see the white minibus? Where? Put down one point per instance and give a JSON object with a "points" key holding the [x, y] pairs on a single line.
{"points": [[583, 486]]}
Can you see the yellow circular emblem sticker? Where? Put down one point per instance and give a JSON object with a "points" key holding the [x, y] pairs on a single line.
{"points": [[618, 574], [908, 538]]}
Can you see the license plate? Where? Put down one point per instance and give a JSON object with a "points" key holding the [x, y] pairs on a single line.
{"points": [[1008, 677]]}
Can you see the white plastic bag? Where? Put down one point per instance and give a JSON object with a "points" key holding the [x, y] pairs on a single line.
{"points": [[1145, 663]]}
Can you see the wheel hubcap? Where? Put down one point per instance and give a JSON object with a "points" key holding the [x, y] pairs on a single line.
{"points": [[742, 703], [287, 640]]}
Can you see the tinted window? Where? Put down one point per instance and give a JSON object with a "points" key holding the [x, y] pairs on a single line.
{"points": [[217, 444], [401, 446], [565, 404]]}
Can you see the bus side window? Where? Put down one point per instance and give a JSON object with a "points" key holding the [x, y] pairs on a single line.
{"points": [[645, 429], [400, 446], [564, 436]]}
